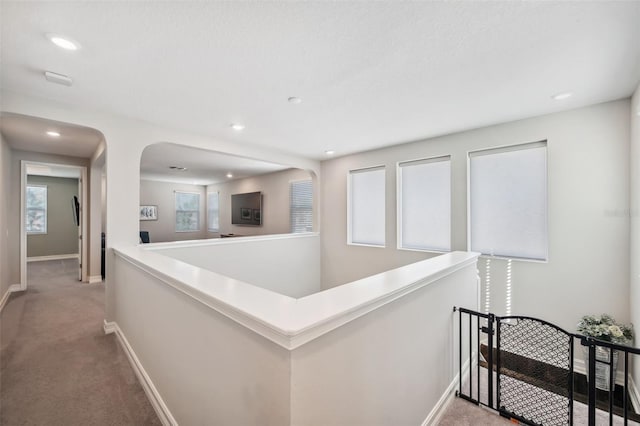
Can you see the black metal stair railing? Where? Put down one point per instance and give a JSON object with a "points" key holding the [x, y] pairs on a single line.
{"points": [[592, 344], [533, 363]]}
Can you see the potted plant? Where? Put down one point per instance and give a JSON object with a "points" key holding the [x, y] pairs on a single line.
{"points": [[604, 327]]}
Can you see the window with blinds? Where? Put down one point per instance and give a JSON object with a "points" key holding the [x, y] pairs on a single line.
{"points": [[366, 206], [424, 204], [213, 211], [301, 206], [508, 201]]}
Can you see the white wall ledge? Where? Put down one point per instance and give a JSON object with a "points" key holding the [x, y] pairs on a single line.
{"points": [[287, 321], [236, 239]]}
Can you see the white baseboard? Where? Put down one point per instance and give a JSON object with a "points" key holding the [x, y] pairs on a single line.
{"points": [[109, 327], [5, 296], [634, 395], [95, 279], [579, 366], [439, 409], [53, 257], [161, 409]]}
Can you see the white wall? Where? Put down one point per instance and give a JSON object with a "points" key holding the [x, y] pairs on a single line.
{"points": [[275, 201], [6, 278], [389, 367], [125, 140], [289, 265], [162, 194], [207, 368], [377, 351], [588, 170], [634, 294]]}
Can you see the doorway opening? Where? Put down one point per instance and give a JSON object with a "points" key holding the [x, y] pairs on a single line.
{"points": [[54, 216]]}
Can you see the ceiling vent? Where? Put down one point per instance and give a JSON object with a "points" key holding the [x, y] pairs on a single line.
{"points": [[54, 77]]}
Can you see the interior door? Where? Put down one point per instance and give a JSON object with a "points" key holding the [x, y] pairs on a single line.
{"points": [[78, 215]]}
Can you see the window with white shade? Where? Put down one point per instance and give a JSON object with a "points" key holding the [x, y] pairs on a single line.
{"points": [[213, 211], [366, 206], [424, 204], [187, 211], [36, 209], [301, 206], [508, 201]]}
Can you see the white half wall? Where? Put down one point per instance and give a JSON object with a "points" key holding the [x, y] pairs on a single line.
{"points": [[381, 350], [390, 367], [287, 264], [207, 368], [588, 183]]}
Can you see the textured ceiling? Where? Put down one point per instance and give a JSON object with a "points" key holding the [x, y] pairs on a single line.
{"points": [[370, 74], [30, 134]]}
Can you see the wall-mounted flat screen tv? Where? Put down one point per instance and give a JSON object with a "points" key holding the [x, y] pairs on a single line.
{"points": [[246, 209]]}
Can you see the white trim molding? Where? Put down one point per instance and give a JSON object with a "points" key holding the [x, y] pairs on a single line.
{"points": [[161, 409], [52, 257], [634, 394], [109, 327], [5, 297], [579, 366], [439, 409], [95, 279]]}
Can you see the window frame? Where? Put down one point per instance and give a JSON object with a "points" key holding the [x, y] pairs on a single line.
{"points": [[45, 209], [350, 207], [501, 149], [176, 211], [399, 202]]}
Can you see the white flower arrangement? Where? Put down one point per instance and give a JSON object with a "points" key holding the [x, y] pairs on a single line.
{"points": [[604, 327]]}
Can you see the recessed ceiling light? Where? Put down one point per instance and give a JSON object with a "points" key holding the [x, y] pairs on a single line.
{"points": [[329, 152], [53, 134], [294, 100], [229, 175], [237, 127], [63, 42], [562, 96]]}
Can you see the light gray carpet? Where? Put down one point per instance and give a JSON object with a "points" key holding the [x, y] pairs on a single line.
{"points": [[57, 367]]}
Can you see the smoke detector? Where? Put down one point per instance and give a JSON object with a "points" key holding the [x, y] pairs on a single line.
{"points": [[54, 77]]}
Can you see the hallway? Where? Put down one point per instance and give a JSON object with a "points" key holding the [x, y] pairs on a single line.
{"points": [[57, 365]]}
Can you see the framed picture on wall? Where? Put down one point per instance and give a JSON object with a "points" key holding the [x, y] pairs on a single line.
{"points": [[148, 212], [245, 214]]}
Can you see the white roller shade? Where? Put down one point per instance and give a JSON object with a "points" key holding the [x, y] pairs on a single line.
{"points": [[508, 201], [424, 204], [366, 206]]}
